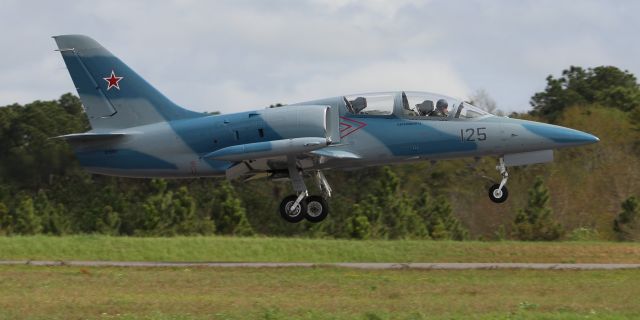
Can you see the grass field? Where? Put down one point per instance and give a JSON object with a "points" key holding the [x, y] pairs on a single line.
{"points": [[315, 293], [309, 250], [64, 292]]}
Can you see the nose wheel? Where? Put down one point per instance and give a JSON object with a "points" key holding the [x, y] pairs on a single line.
{"points": [[498, 192]]}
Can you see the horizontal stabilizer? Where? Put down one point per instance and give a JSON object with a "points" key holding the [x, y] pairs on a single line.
{"points": [[333, 153], [90, 137], [268, 149]]}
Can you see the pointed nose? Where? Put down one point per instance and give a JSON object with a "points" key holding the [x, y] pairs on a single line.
{"points": [[591, 138], [570, 136], [563, 137]]}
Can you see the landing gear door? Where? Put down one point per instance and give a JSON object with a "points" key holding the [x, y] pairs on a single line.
{"points": [[332, 124]]}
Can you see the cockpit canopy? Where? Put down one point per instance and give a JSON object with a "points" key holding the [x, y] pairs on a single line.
{"points": [[371, 103], [412, 104]]}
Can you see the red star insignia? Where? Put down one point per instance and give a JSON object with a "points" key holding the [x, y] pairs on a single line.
{"points": [[113, 80]]}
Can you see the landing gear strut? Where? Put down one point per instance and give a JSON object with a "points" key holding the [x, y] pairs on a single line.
{"points": [[498, 193], [314, 208]]}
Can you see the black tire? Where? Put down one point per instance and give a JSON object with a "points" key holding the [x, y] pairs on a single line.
{"points": [[317, 209], [298, 214], [496, 196]]}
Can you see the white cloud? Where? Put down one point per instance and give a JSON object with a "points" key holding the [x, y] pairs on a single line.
{"points": [[583, 52], [387, 76], [233, 96], [234, 55]]}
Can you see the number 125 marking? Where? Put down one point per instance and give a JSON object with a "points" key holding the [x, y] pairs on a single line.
{"points": [[471, 134]]}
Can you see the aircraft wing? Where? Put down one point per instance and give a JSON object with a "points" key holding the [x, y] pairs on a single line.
{"points": [[249, 157], [311, 145], [91, 137], [330, 152], [268, 149]]}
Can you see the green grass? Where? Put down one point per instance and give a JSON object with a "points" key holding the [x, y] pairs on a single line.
{"points": [[28, 292], [309, 250], [315, 293]]}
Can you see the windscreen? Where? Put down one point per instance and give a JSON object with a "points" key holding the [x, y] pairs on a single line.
{"points": [[468, 111]]}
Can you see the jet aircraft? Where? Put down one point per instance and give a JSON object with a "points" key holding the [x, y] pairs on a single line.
{"points": [[138, 132]]}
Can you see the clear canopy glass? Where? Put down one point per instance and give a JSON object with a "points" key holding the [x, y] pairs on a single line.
{"points": [[468, 111], [370, 103], [413, 104], [424, 104]]}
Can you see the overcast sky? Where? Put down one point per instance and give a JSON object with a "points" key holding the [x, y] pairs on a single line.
{"points": [[240, 55]]}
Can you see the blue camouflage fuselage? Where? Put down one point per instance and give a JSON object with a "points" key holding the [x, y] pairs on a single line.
{"points": [[138, 132], [178, 148]]}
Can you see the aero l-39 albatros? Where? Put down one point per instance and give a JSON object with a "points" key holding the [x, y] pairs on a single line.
{"points": [[138, 132]]}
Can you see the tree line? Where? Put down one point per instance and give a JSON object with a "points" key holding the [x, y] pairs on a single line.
{"points": [[44, 190]]}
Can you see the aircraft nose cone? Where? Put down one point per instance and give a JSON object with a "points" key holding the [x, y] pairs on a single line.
{"points": [[563, 136], [574, 137]]}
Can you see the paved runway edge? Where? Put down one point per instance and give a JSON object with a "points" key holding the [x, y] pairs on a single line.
{"points": [[353, 265]]}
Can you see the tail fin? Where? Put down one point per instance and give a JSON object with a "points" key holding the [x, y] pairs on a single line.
{"points": [[114, 96]]}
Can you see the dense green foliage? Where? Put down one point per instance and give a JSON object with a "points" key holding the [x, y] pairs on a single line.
{"points": [[627, 223], [43, 189], [605, 85], [535, 221]]}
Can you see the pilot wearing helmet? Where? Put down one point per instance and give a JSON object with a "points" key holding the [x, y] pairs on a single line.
{"points": [[441, 109]]}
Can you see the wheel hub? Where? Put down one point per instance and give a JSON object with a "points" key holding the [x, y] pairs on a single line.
{"points": [[292, 211], [314, 209]]}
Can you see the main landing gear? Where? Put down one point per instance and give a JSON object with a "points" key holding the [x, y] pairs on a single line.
{"points": [[498, 192], [295, 208]]}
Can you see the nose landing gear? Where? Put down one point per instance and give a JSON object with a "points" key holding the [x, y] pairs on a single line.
{"points": [[498, 192]]}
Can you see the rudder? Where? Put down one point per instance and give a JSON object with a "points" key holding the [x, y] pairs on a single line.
{"points": [[114, 96]]}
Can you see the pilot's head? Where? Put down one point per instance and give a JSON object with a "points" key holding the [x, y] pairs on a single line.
{"points": [[442, 105]]}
